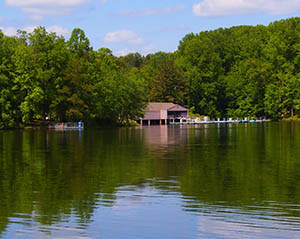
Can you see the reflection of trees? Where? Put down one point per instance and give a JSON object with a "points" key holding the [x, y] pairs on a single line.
{"points": [[243, 165], [51, 175]]}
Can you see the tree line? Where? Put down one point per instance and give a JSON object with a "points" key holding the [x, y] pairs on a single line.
{"points": [[44, 76], [242, 71]]}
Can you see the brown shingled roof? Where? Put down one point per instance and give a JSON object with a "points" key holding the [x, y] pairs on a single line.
{"points": [[156, 106]]}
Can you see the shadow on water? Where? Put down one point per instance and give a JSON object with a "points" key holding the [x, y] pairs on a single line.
{"points": [[237, 173]]}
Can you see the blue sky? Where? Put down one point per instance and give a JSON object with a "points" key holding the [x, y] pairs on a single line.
{"points": [[144, 26]]}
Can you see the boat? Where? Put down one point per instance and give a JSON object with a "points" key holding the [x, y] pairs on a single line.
{"points": [[181, 121], [67, 126]]}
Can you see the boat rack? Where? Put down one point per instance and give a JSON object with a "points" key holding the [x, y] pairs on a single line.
{"points": [[180, 121]]}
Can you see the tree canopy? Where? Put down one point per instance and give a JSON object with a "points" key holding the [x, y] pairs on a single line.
{"points": [[242, 71]]}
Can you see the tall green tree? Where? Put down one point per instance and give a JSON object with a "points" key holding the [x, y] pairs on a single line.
{"points": [[9, 112], [78, 43], [39, 65]]}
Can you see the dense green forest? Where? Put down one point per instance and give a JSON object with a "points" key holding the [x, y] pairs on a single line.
{"points": [[243, 71]]}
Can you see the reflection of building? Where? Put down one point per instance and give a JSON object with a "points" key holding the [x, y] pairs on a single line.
{"points": [[164, 136], [163, 113]]}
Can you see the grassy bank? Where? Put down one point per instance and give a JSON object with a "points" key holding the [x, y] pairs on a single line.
{"points": [[293, 118]]}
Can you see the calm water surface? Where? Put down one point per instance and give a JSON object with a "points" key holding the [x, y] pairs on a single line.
{"points": [[226, 181]]}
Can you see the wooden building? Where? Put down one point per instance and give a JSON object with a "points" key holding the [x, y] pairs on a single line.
{"points": [[163, 113]]}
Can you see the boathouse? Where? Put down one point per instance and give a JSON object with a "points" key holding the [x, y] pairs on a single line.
{"points": [[163, 113]]}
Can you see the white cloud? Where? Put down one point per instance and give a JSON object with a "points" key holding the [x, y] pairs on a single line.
{"points": [[103, 1], [151, 11], [238, 7], [123, 36], [39, 8], [12, 31], [1, 19], [59, 30], [46, 11], [9, 31], [59, 3], [144, 50], [148, 49], [123, 52], [29, 29]]}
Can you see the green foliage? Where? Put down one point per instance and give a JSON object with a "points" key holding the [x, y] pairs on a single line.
{"points": [[164, 79], [78, 43], [243, 71], [238, 72], [122, 97], [42, 75]]}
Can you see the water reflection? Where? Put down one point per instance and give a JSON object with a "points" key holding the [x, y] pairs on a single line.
{"points": [[204, 181]]}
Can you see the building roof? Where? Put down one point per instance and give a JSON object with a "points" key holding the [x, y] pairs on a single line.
{"points": [[157, 106]]}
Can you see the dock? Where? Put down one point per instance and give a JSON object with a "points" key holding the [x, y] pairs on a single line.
{"points": [[181, 121]]}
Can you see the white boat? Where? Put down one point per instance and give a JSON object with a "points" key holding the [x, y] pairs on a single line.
{"points": [[67, 126]]}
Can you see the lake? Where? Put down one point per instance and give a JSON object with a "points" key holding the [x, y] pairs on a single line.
{"points": [[201, 181]]}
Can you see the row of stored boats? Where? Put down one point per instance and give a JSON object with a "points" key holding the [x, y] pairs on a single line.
{"points": [[217, 121]]}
